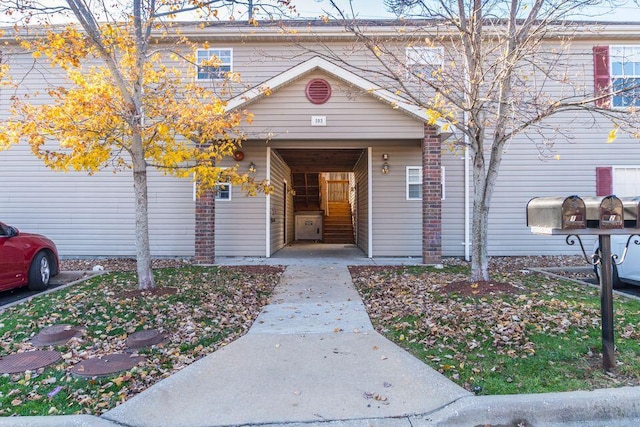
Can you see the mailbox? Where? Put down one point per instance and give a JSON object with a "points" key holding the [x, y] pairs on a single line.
{"points": [[604, 212], [566, 213], [631, 211]]}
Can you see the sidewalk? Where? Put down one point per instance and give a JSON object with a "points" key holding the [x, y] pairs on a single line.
{"points": [[312, 359], [312, 355]]}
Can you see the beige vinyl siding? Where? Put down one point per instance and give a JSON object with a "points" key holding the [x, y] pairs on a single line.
{"points": [[241, 221], [280, 173], [258, 61], [361, 172], [286, 115], [397, 222], [291, 220], [94, 215], [568, 169]]}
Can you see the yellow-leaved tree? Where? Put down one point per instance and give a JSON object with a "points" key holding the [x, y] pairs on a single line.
{"points": [[125, 108]]}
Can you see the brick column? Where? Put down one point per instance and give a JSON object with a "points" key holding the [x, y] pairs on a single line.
{"points": [[431, 197], [205, 228]]}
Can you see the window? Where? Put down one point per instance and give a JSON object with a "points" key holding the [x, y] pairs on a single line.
{"points": [[424, 62], [223, 191], [626, 181], [625, 74], [219, 62], [414, 182]]}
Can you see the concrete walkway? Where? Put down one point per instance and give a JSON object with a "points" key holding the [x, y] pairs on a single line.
{"points": [[312, 359], [312, 355]]}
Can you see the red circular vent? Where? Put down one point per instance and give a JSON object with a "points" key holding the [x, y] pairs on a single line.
{"points": [[318, 91]]}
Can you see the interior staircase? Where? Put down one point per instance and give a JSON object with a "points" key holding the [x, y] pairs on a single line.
{"points": [[337, 225]]}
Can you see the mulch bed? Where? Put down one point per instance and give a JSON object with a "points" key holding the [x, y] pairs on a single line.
{"points": [[479, 288]]}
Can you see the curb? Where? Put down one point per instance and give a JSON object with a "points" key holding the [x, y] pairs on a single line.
{"points": [[619, 407], [57, 421]]}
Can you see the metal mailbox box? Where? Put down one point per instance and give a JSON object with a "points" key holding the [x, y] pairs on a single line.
{"points": [[631, 207], [604, 212], [566, 213]]}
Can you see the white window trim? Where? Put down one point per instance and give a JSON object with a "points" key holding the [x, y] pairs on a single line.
{"points": [[442, 182], [218, 49], [613, 76], [412, 61], [226, 184], [614, 184], [419, 168], [442, 186]]}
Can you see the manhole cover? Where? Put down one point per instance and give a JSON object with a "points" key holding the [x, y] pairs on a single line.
{"points": [[54, 335], [106, 365], [145, 338], [28, 361]]}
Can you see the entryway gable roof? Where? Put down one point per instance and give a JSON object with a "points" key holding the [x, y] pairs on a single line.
{"points": [[318, 63]]}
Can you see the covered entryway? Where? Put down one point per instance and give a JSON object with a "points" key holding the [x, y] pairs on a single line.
{"points": [[355, 142], [324, 193]]}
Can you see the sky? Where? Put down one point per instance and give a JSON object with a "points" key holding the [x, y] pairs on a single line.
{"points": [[376, 9]]}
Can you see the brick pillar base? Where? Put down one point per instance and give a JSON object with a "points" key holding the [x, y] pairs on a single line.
{"points": [[431, 197], [205, 228]]}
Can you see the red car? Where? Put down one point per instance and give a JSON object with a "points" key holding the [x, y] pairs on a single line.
{"points": [[26, 259]]}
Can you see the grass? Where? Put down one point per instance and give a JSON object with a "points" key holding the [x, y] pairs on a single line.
{"points": [[543, 336], [212, 306]]}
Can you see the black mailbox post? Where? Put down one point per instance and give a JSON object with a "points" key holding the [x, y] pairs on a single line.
{"points": [[603, 217]]}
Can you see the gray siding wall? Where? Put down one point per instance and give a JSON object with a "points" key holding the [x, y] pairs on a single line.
{"points": [[397, 222], [241, 222], [94, 215], [286, 115], [579, 146], [361, 173], [280, 173], [78, 211]]}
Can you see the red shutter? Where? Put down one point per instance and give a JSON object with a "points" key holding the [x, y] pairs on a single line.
{"points": [[601, 74], [604, 181]]}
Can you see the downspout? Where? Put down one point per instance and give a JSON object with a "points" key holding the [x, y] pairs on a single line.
{"points": [[268, 206], [467, 207], [370, 202]]}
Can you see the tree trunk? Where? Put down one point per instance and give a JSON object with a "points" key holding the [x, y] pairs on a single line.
{"points": [[143, 251], [480, 222], [479, 256]]}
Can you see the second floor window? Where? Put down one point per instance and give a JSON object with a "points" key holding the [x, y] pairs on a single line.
{"points": [[625, 74], [424, 62], [214, 64]]}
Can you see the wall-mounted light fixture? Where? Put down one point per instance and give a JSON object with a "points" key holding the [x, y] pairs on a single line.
{"points": [[385, 157], [385, 165], [252, 167]]}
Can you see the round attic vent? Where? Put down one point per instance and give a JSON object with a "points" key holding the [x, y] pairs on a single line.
{"points": [[318, 91]]}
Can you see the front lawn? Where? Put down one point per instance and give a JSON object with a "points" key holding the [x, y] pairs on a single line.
{"points": [[519, 333], [198, 309]]}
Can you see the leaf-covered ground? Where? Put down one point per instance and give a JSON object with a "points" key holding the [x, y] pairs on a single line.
{"points": [[210, 308], [518, 333]]}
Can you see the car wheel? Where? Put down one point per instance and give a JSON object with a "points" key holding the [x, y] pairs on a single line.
{"points": [[39, 272]]}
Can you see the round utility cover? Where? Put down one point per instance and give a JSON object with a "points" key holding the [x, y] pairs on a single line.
{"points": [[28, 361], [55, 335], [145, 338], [104, 366]]}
